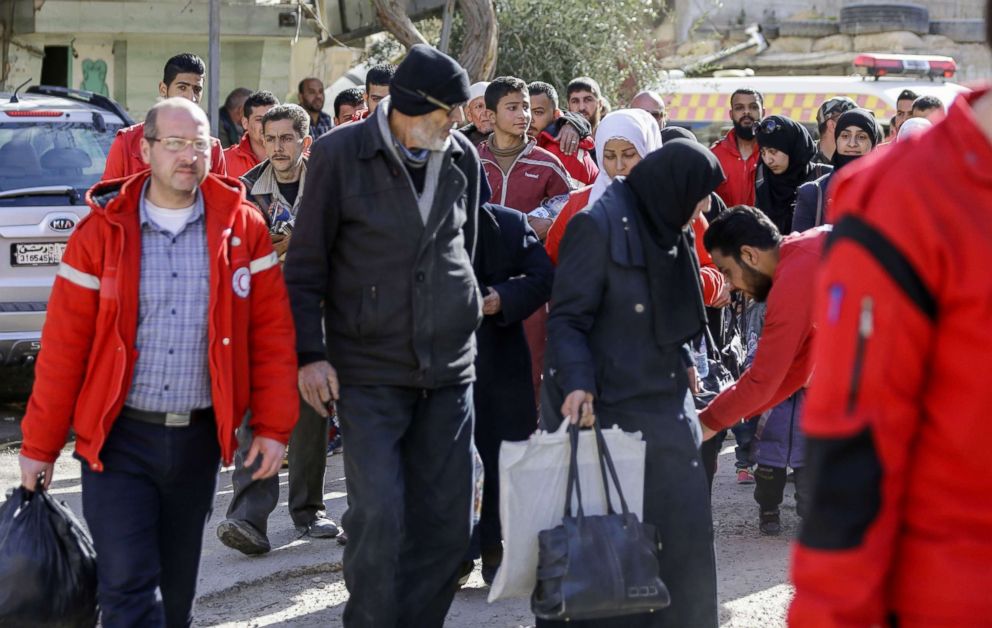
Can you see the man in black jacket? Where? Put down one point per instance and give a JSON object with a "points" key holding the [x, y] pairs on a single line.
{"points": [[383, 248], [516, 274]]}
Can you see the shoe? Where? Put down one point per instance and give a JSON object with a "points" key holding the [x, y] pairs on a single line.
{"points": [[769, 523], [242, 536], [744, 476], [491, 560], [464, 572], [320, 528], [342, 537], [334, 446]]}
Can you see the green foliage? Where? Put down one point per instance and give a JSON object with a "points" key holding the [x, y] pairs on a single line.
{"points": [[539, 40], [609, 40]]}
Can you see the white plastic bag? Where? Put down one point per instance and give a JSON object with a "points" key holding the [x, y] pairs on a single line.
{"points": [[532, 479]]}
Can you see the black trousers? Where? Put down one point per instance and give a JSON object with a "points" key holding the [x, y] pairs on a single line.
{"points": [[769, 488], [146, 511], [254, 500], [408, 468]]}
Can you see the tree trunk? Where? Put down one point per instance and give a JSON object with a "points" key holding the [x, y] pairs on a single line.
{"points": [[478, 55], [392, 15]]}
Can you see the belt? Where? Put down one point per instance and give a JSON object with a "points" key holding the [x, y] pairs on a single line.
{"points": [[168, 419]]}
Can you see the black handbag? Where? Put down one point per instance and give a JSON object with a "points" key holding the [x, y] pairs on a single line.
{"points": [[594, 567]]}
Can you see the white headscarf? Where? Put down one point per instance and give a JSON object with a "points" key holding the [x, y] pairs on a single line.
{"points": [[633, 125], [913, 126]]}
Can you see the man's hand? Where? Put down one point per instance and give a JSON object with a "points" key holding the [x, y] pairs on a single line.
{"points": [[30, 468], [271, 452], [578, 408], [568, 139], [723, 298], [319, 385], [540, 226], [693, 380], [491, 304], [280, 242], [707, 432]]}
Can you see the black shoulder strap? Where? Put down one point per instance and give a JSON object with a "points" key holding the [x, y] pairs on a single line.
{"points": [[889, 258]]}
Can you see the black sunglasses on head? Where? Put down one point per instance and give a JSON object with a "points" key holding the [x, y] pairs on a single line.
{"points": [[769, 125]]}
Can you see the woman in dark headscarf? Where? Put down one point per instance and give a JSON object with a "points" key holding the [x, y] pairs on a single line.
{"points": [[856, 134], [626, 298], [787, 153]]}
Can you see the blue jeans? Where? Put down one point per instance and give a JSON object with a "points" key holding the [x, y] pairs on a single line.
{"points": [[146, 511]]}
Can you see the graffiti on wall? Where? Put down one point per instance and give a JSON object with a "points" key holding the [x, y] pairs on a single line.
{"points": [[95, 76]]}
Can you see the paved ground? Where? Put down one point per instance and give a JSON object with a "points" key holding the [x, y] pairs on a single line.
{"points": [[299, 583]]}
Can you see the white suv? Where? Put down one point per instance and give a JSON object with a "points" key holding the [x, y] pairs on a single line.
{"points": [[53, 146]]}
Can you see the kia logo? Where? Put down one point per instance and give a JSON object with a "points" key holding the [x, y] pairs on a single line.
{"points": [[62, 224]]}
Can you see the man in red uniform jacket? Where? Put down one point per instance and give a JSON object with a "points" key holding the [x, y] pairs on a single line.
{"points": [[900, 524], [182, 78], [738, 150], [250, 151], [757, 260], [167, 322]]}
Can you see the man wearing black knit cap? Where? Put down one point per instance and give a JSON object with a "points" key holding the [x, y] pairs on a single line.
{"points": [[382, 250]]}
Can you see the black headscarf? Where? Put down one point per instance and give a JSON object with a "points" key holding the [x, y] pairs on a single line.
{"points": [[864, 120], [777, 197], [670, 133], [667, 185]]}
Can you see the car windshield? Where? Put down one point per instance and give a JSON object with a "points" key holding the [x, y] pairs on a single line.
{"points": [[47, 154]]}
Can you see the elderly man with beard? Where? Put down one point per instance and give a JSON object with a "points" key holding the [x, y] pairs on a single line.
{"points": [[738, 150], [779, 272], [381, 259]]}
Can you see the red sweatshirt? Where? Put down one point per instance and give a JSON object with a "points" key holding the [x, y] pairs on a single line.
{"points": [[783, 362], [738, 188], [900, 402], [580, 165], [240, 158]]}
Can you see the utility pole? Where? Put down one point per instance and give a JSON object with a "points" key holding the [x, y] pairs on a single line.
{"points": [[213, 68]]}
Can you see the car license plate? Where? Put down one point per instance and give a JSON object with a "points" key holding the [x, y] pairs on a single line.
{"points": [[36, 253]]}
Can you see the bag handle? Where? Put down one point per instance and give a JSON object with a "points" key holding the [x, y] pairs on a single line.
{"points": [[604, 455], [573, 472]]}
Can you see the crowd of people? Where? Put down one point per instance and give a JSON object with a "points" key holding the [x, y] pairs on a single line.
{"points": [[422, 294]]}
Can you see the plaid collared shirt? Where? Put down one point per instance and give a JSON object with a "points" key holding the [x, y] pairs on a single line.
{"points": [[324, 124], [171, 373]]}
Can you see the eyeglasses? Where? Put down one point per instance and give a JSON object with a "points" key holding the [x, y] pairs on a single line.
{"points": [[178, 144], [434, 101]]}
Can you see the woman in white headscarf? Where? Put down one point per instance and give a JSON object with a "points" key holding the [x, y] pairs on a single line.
{"points": [[623, 139]]}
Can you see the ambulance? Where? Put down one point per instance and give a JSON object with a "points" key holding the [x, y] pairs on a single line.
{"points": [[703, 104]]}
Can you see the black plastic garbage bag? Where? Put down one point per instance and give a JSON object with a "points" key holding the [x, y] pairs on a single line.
{"points": [[47, 564]]}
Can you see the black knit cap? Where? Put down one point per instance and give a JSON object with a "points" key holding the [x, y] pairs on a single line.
{"points": [[427, 73]]}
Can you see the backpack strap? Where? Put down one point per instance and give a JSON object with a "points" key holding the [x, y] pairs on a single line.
{"points": [[819, 205], [889, 257]]}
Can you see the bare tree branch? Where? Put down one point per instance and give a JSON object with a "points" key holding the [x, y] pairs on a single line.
{"points": [[478, 54]]}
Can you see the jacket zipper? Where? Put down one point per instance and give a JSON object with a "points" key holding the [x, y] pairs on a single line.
{"points": [[866, 327]]}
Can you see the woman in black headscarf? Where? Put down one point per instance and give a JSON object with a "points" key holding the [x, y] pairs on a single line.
{"points": [[787, 153], [626, 298], [855, 135]]}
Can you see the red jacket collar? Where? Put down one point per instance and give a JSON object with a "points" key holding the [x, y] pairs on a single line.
{"points": [[121, 196]]}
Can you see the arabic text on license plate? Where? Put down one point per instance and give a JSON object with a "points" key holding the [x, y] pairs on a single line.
{"points": [[38, 253]]}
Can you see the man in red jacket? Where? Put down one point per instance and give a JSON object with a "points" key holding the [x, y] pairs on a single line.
{"points": [[899, 531], [250, 151], [182, 78], [778, 271], [738, 150], [555, 131], [167, 321]]}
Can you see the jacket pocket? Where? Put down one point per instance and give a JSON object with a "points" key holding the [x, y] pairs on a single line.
{"points": [[368, 312]]}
